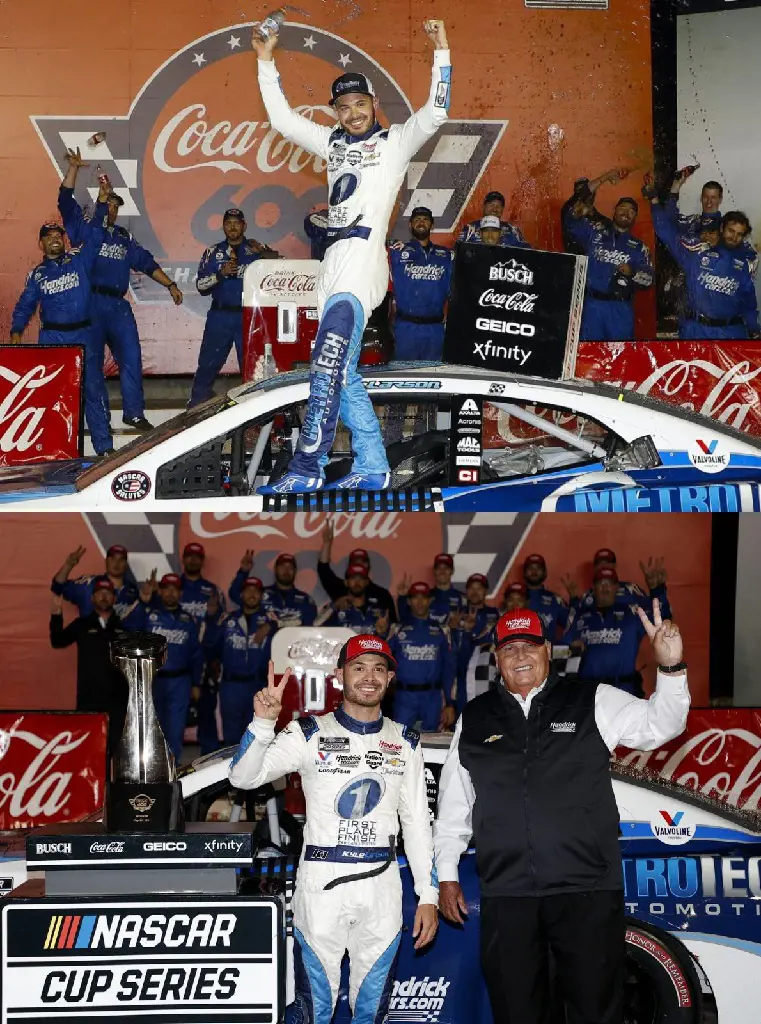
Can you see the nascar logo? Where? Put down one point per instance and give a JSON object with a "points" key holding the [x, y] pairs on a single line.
{"points": [[118, 931]]}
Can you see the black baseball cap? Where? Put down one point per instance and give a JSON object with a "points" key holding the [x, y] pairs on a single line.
{"points": [[421, 211], [494, 195], [113, 197], [233, 214], [46, 229], [350, 82], [628, 199]]}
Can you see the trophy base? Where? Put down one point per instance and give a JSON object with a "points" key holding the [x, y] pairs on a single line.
{"points": [[144, 807]]}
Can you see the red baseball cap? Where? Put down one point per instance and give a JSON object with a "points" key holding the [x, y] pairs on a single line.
{"points": [[420, 588], [534, 560], [117, 549], [521, 625], [357, 569], [607, 572], [103, 583], [252, 581], [443, 559], [171, 580], [477, 577], [365, 643], [194, 549], [359, 555], [516, 588], [285, 557], [604, 555]]}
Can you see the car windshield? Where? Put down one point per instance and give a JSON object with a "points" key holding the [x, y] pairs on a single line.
{"points": [[144, 442]]}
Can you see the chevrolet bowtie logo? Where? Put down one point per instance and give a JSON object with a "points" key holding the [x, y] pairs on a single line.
{"points": [[496, 736]]}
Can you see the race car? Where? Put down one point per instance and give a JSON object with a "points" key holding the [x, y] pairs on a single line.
{"points": [[458, 439]]}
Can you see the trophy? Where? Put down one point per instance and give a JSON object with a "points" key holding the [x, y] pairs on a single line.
{"points": [[143, 794]]}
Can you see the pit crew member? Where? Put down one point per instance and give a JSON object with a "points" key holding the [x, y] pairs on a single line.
{"points": [[421, 274], [654, 572], [362, 773], [366, 166], [220, 275], [515, 596], [60, 286], [536, 750], [119, 253], [335, 587], [551, 609], [692, 225], [356, 609], [79, 591], [287, 604], [473, 640], [510, 234], [619, 264], [447, 603]]}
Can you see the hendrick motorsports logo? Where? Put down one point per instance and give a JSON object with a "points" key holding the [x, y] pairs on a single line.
{"points": [[418, 999], [185, 122]]}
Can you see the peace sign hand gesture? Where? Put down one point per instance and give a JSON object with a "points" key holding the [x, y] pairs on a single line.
{"points": [[664, 636], [269, 703]]}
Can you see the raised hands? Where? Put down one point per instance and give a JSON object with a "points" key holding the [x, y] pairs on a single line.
{"points": [[434, 29], [149, 588], [664, 636], [268, 703], [247, 562], [654, 572]]}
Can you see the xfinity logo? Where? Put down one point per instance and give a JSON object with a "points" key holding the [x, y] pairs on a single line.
{"points": [[486, 349], [52, 848], [164, 847], [512, 272], [504, 327], [233, 845]]}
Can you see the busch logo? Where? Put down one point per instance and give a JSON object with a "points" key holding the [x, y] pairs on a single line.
{"points": [[512, 272], [47, 848], [21, 423]]}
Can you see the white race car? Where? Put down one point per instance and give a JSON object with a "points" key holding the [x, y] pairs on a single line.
{"points": [[458, 439]]}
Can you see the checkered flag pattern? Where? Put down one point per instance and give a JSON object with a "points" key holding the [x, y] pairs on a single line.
{"points": [[149, 537], [485, 542]]}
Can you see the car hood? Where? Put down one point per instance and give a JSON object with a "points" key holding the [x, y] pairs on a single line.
{"points": [[20, 483]]}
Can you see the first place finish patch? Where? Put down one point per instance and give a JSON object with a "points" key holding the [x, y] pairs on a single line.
{"points": [[133, 485]]}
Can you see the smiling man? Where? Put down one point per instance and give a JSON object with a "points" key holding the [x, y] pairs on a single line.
{"points": [[528, 776], [362, 775]]}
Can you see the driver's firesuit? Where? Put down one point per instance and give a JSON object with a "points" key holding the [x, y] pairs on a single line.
{"points": [[364, 176], [360, 779]]}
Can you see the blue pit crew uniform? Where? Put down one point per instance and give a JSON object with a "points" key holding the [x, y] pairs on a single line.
{"points": [[360, 780], [113, 320], [79, 593], [421, 276], [611, 642], [425, 671], [721, 296], [473, 656], [627, 595], [551, 609], [232, 641], [510, 235], [224, 320], [291, 606], [181, 672], [61, 288], [444, 604], [362, 618], [364, 176], [691, 225], [608, 313]]}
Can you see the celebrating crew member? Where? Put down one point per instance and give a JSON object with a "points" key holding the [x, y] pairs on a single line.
{"points": [[473, 641], [348, 890], [447, 603], [119, 253], [220, 274], [241, 642], [79, 591], [721, 296], [654, 572], [619, 264], [421, 274], [551, 609], [366, 165], [288, 605], [515, 596], [60, 286], [509, 234], [335, 587], [184, 661], [425, 667], [356, 609], [100, 685], [557, 882]]}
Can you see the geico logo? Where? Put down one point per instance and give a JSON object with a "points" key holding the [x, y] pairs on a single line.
{"points": [[144, 985], [52, 848], [164, 847], [132, 931], [501, 327]]}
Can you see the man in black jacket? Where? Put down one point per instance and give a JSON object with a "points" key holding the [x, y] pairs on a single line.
{"points": [[100, 685], [335, 587], [528, 775]]}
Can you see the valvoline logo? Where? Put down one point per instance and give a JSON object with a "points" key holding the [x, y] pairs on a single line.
{"points": [[707, 449], [197, 140], [672, 829], [709, 456]]}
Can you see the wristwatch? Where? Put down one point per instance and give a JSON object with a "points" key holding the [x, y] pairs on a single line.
{"points": [[671, 669]]}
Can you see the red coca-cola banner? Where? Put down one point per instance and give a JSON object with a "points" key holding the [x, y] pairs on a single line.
{"points": [[718, 379], [719, 754], [52, 767], [41, 414]]}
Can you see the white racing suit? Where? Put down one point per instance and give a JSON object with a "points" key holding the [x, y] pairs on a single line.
{"points": [[360, 779], [364, 177]]}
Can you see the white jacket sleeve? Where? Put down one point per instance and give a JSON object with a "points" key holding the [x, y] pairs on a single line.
{"points": [[262, 757], [416, 828], [643, 724], [420, 126], [305, 133], [454, 825]]}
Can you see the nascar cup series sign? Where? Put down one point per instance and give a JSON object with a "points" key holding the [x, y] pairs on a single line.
{"points": [[160, 960], [515, 310]]}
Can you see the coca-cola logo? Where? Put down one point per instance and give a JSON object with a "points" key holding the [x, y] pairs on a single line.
{"points": [[115, 847], [521, 302], [288, 284], [304, 525], [21, 421], [190, 147]]}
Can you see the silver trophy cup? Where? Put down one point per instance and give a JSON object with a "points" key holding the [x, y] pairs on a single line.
{"points": [[143, 794]]}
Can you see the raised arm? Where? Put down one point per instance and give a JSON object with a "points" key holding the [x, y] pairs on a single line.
{"points": [[424, 123]]}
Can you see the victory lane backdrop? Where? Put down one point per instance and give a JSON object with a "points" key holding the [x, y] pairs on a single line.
{"points": [[187, 134], [34, 545]]}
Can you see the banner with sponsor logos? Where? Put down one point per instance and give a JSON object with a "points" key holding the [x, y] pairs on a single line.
{"points": [[187, 135], [514, 309], [41, 410], [52, 766]]}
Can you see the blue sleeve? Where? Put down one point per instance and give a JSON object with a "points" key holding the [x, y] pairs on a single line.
{"points": [[208, 278], [580, 229], [212, 638], [141, 260], [563, 611], [572, 632], [642, 265], [520, 241], [27, 303], [75, 224], [236, 587], [667, 231], [134, 618], [74, 592], [310, 613], [88, 252], [404, 608], [748, 301]]}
